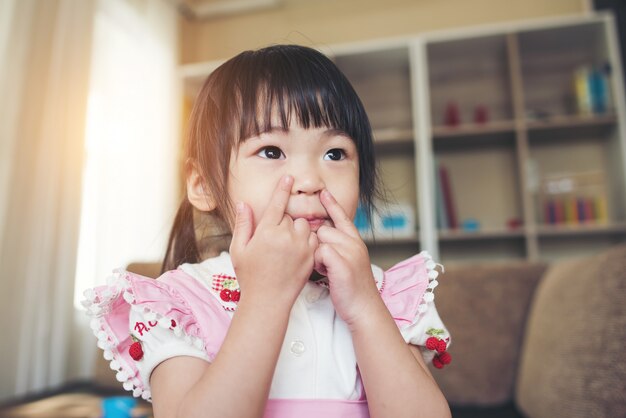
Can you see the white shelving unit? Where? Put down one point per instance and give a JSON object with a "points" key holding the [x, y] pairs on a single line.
{"points": [[516, 72]]}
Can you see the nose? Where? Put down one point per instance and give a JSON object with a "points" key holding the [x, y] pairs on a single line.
{"points": [[307, 179]]}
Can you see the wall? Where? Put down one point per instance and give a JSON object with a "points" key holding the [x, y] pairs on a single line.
{"points": [[328, 22]]}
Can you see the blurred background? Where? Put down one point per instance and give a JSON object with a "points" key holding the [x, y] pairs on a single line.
{"points": [[500, 130]]}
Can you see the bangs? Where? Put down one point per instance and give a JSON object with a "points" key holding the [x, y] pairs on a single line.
{"points": [[294, 86]]}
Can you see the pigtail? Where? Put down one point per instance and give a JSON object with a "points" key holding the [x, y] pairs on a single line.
{"points": [[181, 246]]}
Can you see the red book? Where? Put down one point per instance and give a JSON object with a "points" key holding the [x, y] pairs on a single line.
{"points": [[559, 211], [447, 197]]}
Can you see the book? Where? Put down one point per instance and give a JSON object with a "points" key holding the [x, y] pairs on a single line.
{"points": [[582, 91], [442, 217], [447, 197], [574, 197], [601, 209], [559, 210], [592, 90]]}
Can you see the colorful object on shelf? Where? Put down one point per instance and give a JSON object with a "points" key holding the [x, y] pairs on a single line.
{"points": [[514, 223], [481, 114], [470, 225], [574, 198], [361, 221], [592, 89], [452, 115], [395, 220]]}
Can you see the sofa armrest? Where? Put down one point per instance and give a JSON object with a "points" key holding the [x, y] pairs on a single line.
{"points": [[574, 361], [484, 307]]}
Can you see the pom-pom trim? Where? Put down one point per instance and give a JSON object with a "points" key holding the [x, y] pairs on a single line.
{"points": [[98, 305]]}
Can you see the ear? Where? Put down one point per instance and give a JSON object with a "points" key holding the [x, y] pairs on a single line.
{"points": [[197, 193]]}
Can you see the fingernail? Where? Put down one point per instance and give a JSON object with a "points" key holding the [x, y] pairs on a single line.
{"points": [[287, 180], [239, 207], [327, 194]]}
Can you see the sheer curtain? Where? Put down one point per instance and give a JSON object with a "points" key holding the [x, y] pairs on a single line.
{"points": [[132, 141], [89, 111], [45, 51]]}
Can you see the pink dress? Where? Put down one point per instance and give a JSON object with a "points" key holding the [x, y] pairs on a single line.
{"points": [[191, 308]]}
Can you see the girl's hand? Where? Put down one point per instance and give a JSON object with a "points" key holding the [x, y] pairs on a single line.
{"points": [[273, 262], [342, 256]]}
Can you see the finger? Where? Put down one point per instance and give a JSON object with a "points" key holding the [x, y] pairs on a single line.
{"points": [[318, 263], [329, 235], [326, 256], [244, 226], [313, 241], [340, 219], [276, 209], [301, 226], [287, 220]]}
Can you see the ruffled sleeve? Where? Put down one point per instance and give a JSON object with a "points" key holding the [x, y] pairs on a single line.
{"points": [[155, 344], [408, 291], [132, 313]]}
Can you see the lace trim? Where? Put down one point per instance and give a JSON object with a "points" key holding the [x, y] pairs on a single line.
{"points": [[98, 305], [429, 294]]}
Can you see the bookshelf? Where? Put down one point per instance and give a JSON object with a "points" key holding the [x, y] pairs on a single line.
{"points": [[381, 77], [497, 107], [500, 164]]}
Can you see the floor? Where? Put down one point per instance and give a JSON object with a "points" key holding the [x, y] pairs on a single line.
{"points": [[79, 400]]}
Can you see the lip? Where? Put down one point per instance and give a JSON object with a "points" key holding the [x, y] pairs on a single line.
{"points": [[315, 222]]}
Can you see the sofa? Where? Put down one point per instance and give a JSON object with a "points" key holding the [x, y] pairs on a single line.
{"points": [[536, 340], [533, 340]]}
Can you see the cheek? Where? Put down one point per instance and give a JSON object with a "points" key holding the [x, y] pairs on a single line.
{"points": [[256, 191], [347, 195]]}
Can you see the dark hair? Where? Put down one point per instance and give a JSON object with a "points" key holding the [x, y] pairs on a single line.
{"points": [[238, 100]]}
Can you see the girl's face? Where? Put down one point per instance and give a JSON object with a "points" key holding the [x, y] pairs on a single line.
{"points": [[317, 158]]}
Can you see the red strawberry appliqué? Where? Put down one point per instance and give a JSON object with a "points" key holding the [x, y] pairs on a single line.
{"points": [[135, 350], [226, 295], [445, 357], [437, 363], [434, 343]]}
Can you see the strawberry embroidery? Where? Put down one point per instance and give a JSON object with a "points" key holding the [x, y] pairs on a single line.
{"points": [[437, 363], [135, 350], [445, 357], [225, 295], [227, 288], [434, 343]]}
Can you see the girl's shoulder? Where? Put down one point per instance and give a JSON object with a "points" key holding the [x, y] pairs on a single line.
{"points": [[179, 300], [408, 292], [408, 287]]}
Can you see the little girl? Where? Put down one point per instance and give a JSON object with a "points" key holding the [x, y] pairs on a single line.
{"points": [[292, 321]]}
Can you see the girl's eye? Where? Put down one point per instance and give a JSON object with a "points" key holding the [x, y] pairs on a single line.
{"points": [[335, 154], [271, 152]]}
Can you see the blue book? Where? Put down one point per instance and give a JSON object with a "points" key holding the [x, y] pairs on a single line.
{"points": [[598, 91]]}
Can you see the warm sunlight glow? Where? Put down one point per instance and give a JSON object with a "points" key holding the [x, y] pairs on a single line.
{"points": [[129, 184]]}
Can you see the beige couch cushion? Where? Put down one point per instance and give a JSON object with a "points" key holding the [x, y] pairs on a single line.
{"points": [[485, 309], [573, 364]]}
